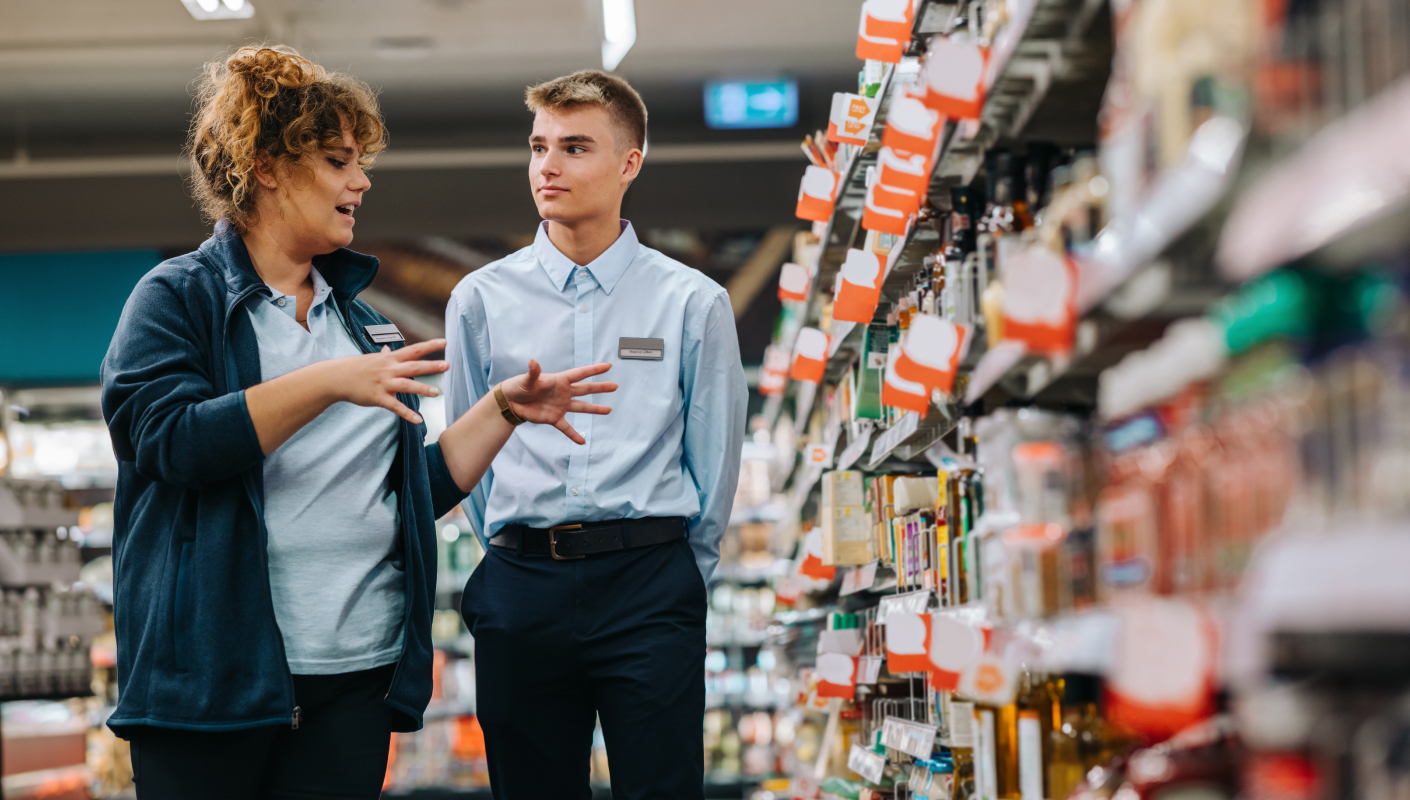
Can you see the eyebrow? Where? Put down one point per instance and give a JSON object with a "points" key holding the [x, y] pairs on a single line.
{"points": [[577, 138], [343, 151]]}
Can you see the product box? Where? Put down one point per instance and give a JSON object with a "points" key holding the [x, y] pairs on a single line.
{"points": [[872, 369], [846, 527]]}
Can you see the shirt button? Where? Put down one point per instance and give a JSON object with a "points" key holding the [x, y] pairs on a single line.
{"points": [[582, 309], [573, 491], [280, 301]]}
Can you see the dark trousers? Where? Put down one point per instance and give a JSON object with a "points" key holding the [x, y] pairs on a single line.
{"points": [[339, 749], [616, 636]]}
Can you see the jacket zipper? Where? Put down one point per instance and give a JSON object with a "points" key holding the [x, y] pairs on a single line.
{"points": [[259, 507]]}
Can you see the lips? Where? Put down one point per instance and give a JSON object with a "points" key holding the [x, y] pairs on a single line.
{"points": [[551, 190], [347, 210]]}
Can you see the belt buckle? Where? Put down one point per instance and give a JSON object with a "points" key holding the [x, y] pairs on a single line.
{"points": [[553, 541]]}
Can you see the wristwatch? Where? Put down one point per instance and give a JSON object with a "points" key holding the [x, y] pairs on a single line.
{"points": [[509, 415]]}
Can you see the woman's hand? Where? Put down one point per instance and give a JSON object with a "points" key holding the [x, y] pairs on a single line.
{"points": [[280, 408], [375, 379], [546, 398]]}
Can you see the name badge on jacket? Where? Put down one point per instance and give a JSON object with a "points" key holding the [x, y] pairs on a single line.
{"points": [[383, 334], [641, 349]]}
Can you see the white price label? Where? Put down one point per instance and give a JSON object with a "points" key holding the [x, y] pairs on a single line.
{"points": [[911, 602], [866, 763], [869, 669], [859, 579], [912, 738], [857, 446]]}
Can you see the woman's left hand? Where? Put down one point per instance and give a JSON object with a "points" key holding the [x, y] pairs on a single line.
{"points": [[545, 399]]}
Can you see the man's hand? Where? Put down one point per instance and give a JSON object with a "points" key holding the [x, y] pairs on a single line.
{"points": [[375, 379], [545, 399]]}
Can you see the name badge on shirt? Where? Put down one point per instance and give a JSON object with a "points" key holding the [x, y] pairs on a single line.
{"points": [[641, 349], [383, 334]]}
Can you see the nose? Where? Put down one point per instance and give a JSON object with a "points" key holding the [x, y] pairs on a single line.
{"points": [[360, 181], [548, 164]]}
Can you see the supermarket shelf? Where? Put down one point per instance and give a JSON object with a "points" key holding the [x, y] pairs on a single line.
{"points": [[909, 438], [1043, 47], [746, 700], [753, 639], [439, 709], [1360, 207], [803, 617], [714, 790], [1126, 287]]}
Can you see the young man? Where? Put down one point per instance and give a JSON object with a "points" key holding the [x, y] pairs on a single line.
{"points": [[590, 602]]}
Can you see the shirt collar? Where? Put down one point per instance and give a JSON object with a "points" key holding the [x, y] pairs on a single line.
{"points": [[606, 269], [321, 291]]}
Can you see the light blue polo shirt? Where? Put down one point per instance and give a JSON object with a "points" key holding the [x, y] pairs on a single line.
{"points": [[334, 563]]}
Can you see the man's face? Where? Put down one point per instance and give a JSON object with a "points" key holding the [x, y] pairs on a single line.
{"points": [[580, 168]]}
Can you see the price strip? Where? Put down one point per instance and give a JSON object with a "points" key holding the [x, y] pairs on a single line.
{"points": [[913, 602], [912, 738], [859, 579], [869, 669], [866, 763], [893, 436], [858, 445]]}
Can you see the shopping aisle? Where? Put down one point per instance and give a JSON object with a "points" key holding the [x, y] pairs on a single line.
{"points": [[1081, 468], [1080, 413]]}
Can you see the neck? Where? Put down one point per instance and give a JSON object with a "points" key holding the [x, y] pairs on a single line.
{"points": [[582, 241], [276, 260]]}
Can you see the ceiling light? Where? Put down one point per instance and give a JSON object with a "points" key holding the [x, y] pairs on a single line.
{"points": [[618, 31], [219, 9]]}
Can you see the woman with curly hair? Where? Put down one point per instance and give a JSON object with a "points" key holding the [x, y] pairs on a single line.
{"points": [[274, 538]]}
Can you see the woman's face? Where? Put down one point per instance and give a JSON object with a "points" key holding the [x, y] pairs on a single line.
{"points": [[315, 206]]}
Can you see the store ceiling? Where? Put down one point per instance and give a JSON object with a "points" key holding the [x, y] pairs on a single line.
{"points": [[95, 79], [59, 52]]}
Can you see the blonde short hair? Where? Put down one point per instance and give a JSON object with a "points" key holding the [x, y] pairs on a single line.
{"points": [[593, 87]]}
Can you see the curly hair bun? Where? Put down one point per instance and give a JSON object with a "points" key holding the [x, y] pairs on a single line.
{"points": [[270, 68], [269, 101]]}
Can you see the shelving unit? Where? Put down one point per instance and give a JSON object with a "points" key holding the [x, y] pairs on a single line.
{"points": [[1188, 249]]}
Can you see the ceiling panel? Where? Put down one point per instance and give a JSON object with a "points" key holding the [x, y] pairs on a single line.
{"points": [[152, 48]]}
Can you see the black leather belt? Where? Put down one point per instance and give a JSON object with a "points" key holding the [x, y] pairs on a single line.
{"points": [[579, 539]]}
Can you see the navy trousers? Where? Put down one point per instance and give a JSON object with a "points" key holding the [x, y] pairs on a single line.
{"points": [[617, 636]]}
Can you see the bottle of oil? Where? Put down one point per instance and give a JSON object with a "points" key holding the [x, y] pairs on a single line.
{"points": [[1040, 712], [959, 720], [996, 751], [1083, 739]]}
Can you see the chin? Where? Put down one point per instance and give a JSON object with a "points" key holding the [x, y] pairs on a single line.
{"points": [[554, 212]]}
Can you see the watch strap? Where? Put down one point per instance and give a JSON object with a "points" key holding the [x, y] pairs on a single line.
{"points": [[504, 409]]}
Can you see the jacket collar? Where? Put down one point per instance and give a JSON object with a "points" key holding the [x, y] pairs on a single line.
{"points": [[347, 272]]}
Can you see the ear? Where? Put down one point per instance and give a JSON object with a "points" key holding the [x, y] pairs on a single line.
{"points": [[631, 167], [264, 171]]}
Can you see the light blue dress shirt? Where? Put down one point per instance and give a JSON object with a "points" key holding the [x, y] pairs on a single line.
{"points": [[671, 445], [334, 564]]}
